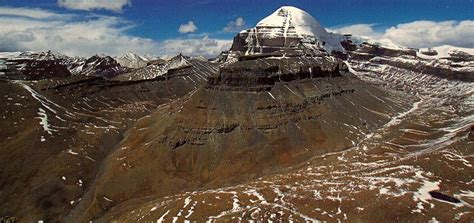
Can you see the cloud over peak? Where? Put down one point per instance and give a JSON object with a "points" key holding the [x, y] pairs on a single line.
{"points": [[112, 5], [187, 28]]}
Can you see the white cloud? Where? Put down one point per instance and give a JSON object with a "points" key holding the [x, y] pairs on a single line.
{"points": [[206, 46], [113, 5], [235, 26], [357, 30], [74, 35], [187, 28], [427, 33], [75, 38], [419, 34], [28, 12]]}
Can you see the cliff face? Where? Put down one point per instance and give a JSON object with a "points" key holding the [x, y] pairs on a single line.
{"points": [[262, 75]]}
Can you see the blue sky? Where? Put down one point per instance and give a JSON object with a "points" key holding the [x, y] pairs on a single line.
{"points": [[158, 21], [210, 16]]}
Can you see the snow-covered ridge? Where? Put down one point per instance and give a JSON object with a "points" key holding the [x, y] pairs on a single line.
{"points": [[438, 52], [41, 65], [7, 55], [442, 61], [444, 51], [156, 70]]}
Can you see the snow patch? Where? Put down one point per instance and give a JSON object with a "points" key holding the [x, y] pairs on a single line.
{"points": [[44, 121], [162, 218]]}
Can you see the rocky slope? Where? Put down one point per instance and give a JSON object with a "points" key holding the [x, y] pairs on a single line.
{"points": [[415, 167], [61, 128]]}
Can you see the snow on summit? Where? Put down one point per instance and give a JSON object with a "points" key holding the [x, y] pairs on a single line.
{"points": [[301, 21], [289, 21]]}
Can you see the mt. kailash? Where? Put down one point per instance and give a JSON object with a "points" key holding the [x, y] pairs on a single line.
{"points": [[291, 124]]}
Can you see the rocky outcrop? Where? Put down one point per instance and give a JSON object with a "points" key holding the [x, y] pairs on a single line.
{"points": [[262, 74], [367, 51]]}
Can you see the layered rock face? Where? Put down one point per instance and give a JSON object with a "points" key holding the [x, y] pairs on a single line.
{"points": [[262, 74], [258, 115]]}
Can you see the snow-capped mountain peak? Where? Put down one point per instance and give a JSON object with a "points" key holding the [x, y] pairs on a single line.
{"points": [[292, 22], [286, 28], [132, 60]]}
